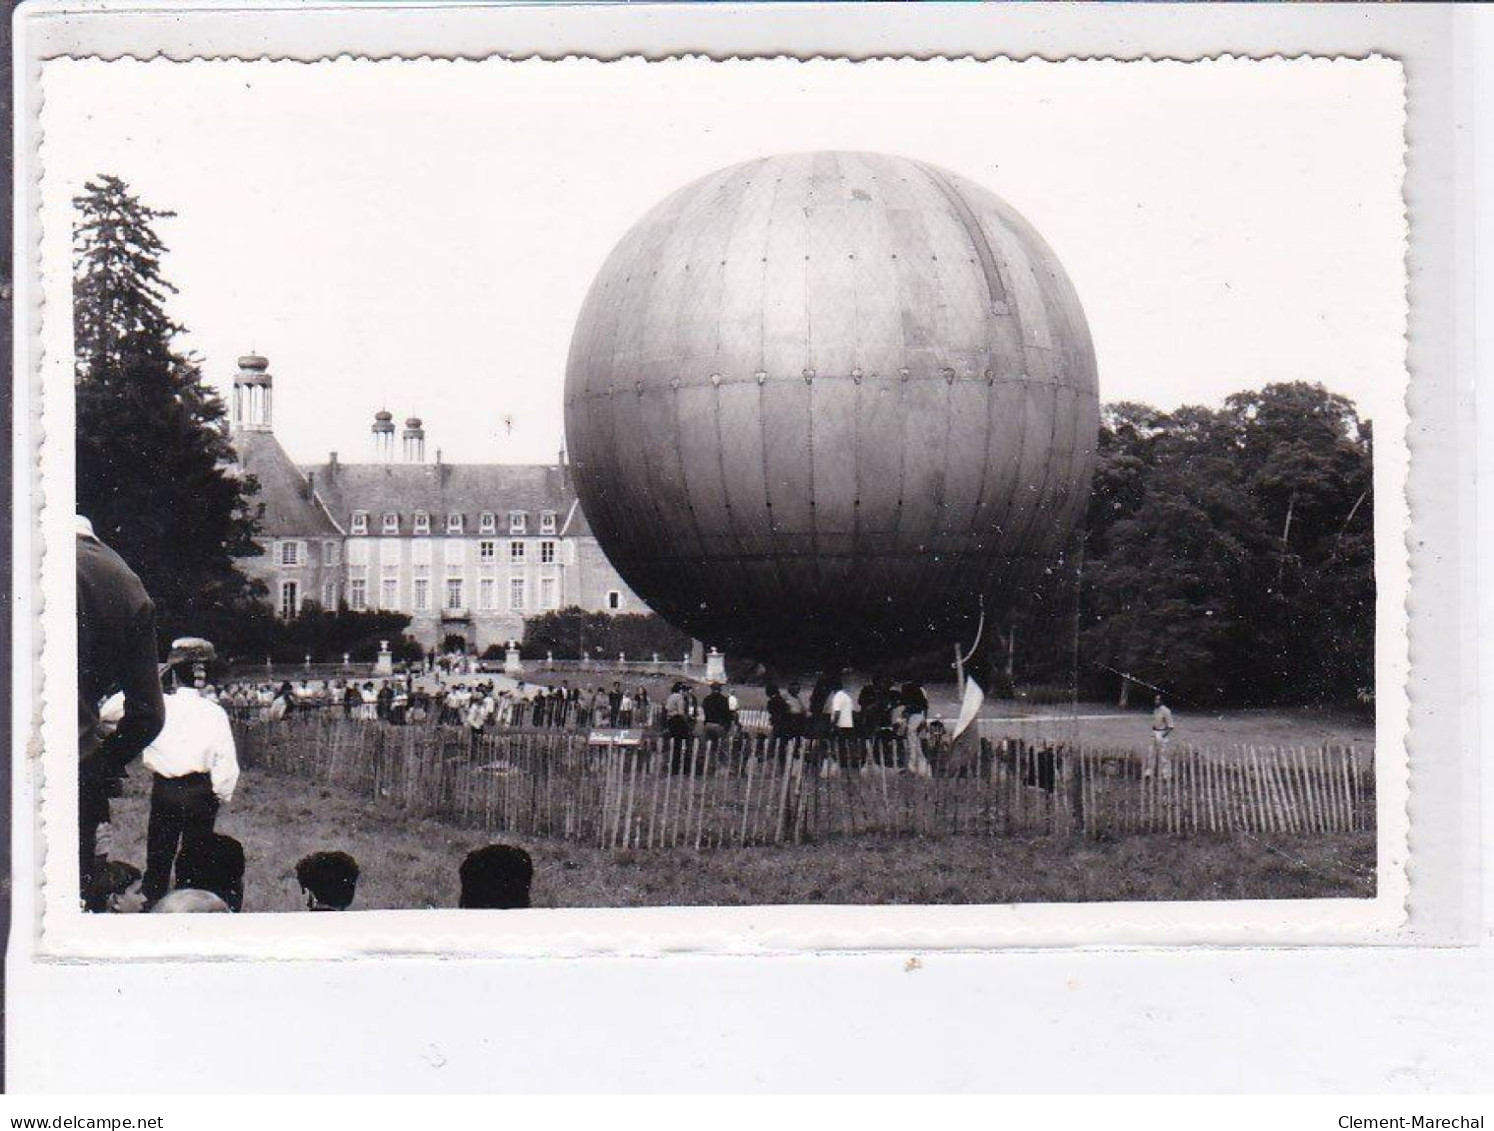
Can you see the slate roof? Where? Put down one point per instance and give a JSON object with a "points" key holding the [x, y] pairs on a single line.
{"points": [[290, 507], [441, 489]]}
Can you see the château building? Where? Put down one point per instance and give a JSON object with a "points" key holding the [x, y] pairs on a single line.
{"points": [[466, 550]]}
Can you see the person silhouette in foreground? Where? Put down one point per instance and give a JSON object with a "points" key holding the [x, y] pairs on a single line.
{"points": [[328, 880], [116, 652], [496, 876], [207, 866]]}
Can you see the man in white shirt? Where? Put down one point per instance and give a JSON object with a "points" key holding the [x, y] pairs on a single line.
{"points": [[194, 768], [1162, 728], [842, 711]]}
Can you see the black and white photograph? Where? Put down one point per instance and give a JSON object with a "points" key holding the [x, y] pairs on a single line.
{"points": [[810, 550], [549, 486]]}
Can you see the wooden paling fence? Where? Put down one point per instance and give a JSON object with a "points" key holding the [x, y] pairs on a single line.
{"points": [[751, 790]]}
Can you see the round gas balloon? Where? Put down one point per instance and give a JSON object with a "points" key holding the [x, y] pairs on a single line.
{"points": [[825, 407]]}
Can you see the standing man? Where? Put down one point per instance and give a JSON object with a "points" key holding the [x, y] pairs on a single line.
{"points": [[677, 726], [797, 724], [1162, 729], [194, 768], [842, 711], [716, 708], [116, 652]]}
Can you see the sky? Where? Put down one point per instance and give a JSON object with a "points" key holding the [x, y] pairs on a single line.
{"points": [[419, 235]]}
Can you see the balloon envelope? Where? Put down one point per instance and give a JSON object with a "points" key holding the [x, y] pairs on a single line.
{"points": [[819, 406]]}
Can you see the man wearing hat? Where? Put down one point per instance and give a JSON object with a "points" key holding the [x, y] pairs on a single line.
{"points": [[193, 764]]}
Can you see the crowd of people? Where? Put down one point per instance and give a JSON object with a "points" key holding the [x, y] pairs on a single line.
{"points": [[880, 711], [481, 704]]}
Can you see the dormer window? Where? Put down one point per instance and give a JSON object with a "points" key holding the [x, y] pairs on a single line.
{"points": [[422, 522], [487, 523], [547, 522], [454, 523], [360, 522], [391, 523], [516, 522]]}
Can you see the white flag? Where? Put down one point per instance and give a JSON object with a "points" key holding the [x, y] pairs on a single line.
{"points": [[970, 707]]}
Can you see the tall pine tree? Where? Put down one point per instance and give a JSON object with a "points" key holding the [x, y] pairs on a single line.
{"points": [[155, 464]]}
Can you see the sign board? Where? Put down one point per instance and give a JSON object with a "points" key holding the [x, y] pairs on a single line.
{"points": [[623, 737]]}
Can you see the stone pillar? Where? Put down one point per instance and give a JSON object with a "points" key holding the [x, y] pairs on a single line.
{"points": [[715, 667], [511, 662], [384, 665]]}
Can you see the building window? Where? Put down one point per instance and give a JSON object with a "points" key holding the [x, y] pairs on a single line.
{"points": [[548, 596], [547, 553], [391, 523], [422, 522], [614, 599], [329, 553], [454, 593], [516, 522], [357, 553], [487, 523], [389, 598], [453, 523], [290, 598], [329, 595], [360, 522], [486, 594], [516, 552], [516, 594], [547, 522], [290, 553], [422, 594], [487, 551]]}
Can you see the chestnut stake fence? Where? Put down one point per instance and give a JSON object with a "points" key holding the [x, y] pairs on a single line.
{"points": [[751, 790]]}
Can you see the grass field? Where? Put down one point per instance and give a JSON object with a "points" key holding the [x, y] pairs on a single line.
{"points": [[1103, 725], [412, 863]]}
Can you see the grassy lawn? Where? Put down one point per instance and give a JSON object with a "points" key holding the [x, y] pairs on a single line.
{"points": [[413, 863], [1103, 725]]}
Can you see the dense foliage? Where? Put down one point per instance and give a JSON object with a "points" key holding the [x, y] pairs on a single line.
{"points": [[154, 462], [1227, 557], [323, 634], [568, 632]]}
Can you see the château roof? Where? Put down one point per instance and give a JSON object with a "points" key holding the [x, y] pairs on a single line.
{"points": [[289, 506], [440, 489], [318, 500]]}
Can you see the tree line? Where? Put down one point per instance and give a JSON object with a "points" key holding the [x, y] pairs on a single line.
{"points": [[1227, 554], [1227, 557]]}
